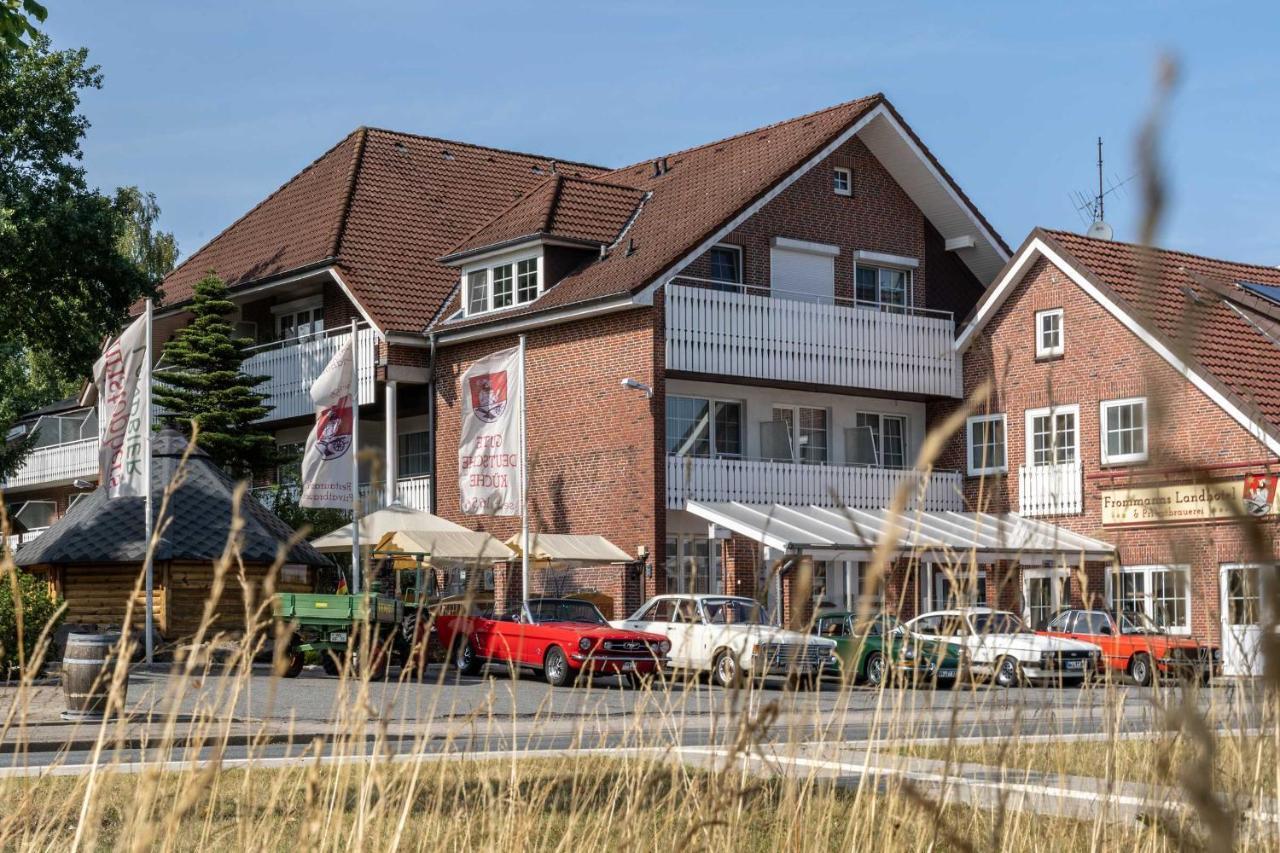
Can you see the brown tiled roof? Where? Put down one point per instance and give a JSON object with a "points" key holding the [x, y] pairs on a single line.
{"points": [[566, 208], [703, 189], [1195, 304], [383, 207]]}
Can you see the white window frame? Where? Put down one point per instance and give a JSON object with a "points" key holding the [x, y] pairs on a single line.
{"points": [[878, 438], [1060, 576], [737, 250], [836, 174], [878, 303], [795, 408], [713, 451], [292, 309], [969, 447], [1148, 572], [514, 262], [1122, 458], [1043, 351], [1029, 439]]}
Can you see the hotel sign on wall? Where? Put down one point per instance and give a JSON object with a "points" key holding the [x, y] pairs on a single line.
{"points": [[1252, 494]]}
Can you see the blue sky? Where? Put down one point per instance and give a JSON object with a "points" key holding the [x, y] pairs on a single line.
{"points": [[212, 105]]}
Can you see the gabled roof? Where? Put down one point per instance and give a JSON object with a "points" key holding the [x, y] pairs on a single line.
{"points": [[1191, 309], [98, 529], [706, 190], [576, 210], [381, 207]]}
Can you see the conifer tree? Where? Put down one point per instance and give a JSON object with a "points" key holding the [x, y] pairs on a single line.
{"points": [[201, 379]]}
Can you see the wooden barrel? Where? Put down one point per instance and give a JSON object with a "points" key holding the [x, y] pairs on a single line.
{"points": [[86, 675]]}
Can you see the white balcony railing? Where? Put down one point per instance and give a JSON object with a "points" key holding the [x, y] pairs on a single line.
{"points": [[1051, 489], [57, 463], [292, 366], [764, 482], [413, 492], [762, 334], [17, 540]]}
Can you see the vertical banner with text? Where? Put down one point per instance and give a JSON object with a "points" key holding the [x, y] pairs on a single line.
{"points": [[492, 396], [326, 463], [118, 376]]}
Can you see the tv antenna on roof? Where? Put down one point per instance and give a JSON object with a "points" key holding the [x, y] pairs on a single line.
{"points": [[1094, 207]]}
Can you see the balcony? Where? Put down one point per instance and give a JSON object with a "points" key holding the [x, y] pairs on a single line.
{"points": [[292, 366], [413, 492], [1051, 489], [759, 333], [57, 463], [761, 481]]}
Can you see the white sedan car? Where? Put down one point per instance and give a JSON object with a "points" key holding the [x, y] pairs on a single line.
{"points": [[1000, 646], [730, 637]]}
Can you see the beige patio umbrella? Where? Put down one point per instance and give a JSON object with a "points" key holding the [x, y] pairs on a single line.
{"points": [[395, 518]]}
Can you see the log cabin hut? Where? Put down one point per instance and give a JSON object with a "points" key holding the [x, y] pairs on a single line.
{"points": [[93, 556]]}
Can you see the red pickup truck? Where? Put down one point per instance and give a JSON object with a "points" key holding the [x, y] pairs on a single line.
{"points": [[562, 638]]}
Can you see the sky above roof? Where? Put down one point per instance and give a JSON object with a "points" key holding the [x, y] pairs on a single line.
{"points": [[213, 106]]}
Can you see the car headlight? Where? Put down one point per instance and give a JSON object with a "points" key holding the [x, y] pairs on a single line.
{"points": [[664, 646], [585, 644]]}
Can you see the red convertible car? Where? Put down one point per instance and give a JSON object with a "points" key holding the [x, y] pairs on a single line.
{"points": [[563, 638]]}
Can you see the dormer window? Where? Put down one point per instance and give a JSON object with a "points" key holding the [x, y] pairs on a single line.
{"points": [[503, 285]]}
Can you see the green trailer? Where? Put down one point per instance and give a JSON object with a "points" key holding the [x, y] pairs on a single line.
{"points": [[329, 623]]}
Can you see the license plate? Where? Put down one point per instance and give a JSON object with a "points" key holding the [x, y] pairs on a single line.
{"points": [[629, 666], [946, 673], [1075, 664], [338, 637]]}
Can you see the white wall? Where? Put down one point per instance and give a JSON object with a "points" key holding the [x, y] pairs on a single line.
{"points": [[759, 402]]}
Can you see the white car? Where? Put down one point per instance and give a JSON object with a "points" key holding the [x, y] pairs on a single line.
{"points": [[729, 637], [1000, 646]]}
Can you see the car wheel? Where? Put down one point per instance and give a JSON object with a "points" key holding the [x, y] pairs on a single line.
{"points": [[377, 660], [555, 666], [1141, 671], [331, 659], [469, 662], [873, 669], [1008, 673], [726, 671], [293, 667]]}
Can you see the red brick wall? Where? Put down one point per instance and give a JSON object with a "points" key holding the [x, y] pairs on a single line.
{"points": [[878, 217], [592, 443], [1105, 361]]}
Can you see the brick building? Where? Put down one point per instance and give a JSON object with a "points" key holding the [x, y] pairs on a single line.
{"points": [[1135, 398]]}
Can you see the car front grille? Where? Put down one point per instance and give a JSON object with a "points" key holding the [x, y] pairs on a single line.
{"points": [[790, 656], [634, 648]]}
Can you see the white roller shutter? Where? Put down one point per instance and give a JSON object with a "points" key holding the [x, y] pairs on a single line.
{"points": [[803, 268]]}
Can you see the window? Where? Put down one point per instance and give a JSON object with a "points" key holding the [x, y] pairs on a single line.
{"points": [[842, 181], [1124, 431], [692, 564], [1162, 593], [726, 264], [986, 445], [502, 286], [887, 287], [806, 429], [1053, 435], [1094, 622], [1062, 622], [478, 291], [294, 322], [1049, 333], [819, 588], [878, 440], [412, 450], [34, 515], [701, 427]]}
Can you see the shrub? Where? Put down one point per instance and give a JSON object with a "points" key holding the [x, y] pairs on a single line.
{"points": [[38, 610]]}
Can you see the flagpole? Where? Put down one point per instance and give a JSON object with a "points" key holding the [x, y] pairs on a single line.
{"points": [[524, 483], [146, 478], [355, 457]]}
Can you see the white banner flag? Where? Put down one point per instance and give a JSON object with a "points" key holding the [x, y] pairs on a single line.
{"points": [[118, 375], [489, 450], [326, 464]]}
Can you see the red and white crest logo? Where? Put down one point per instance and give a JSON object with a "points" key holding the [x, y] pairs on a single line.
{"points": [[489, 395], [333, 430], [1259, 493]]}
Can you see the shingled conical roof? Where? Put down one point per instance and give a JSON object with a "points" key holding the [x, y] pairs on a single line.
{"points": [[100, 530]]}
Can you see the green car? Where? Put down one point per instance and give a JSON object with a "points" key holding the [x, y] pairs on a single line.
{"points": [[880, 647]]}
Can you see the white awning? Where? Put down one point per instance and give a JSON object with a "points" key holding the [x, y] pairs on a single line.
{"points": [[447, 545], [390, 519], [852, 534], [549, 547]]}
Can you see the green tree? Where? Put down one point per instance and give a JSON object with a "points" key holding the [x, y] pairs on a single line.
{"points": [[16, 21], [67, 274], [38, 609], [202, 381], [155, 252]]}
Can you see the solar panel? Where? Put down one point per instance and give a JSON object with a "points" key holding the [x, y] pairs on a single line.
{"points": [[1270, 292]]}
